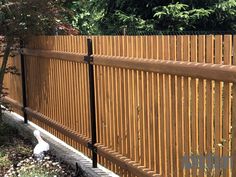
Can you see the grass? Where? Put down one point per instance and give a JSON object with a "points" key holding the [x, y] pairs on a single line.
{"points": [[4, 161], [23, 150], [32, 171], [6, 138], [12, 147], [16, 157], [7, 134]]}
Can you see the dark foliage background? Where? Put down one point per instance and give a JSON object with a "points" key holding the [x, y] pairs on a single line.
{"points": [[109, 16]]}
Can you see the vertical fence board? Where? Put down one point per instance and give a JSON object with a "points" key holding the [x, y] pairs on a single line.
{"points": [[179, 55], [209, 99], [201, 103], [218, 103], [194, 102], [186, 87], [173, 117], [162, 110], [227, 101], [168, 107], [233, 155]]}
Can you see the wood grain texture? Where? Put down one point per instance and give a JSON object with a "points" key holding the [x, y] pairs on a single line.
{"points": [[158, 98]]}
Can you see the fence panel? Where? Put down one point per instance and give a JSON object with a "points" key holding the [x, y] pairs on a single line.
{"points": [[12, 81], [149, 119], [60, 87]]}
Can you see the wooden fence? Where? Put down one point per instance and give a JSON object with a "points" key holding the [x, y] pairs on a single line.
{"points": [[158, 99]]}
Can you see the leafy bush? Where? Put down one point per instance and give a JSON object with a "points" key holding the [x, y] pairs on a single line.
{"points": [[109, 16]]}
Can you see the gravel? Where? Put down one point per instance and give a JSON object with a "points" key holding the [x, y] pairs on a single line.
{"points": [[18, 161], [48, 166]]}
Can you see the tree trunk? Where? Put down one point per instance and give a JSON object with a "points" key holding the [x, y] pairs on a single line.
{"points": [[3, 68]]}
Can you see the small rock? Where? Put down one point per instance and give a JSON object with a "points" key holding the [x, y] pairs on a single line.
{"points": [[19, 164], [55, 163], [47, 158]]}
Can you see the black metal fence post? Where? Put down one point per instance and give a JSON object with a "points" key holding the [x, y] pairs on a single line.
{"points": [[22, 59], [88, 59]]}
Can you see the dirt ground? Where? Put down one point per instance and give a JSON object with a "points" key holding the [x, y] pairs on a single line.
{"points": [[16, 158]]}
